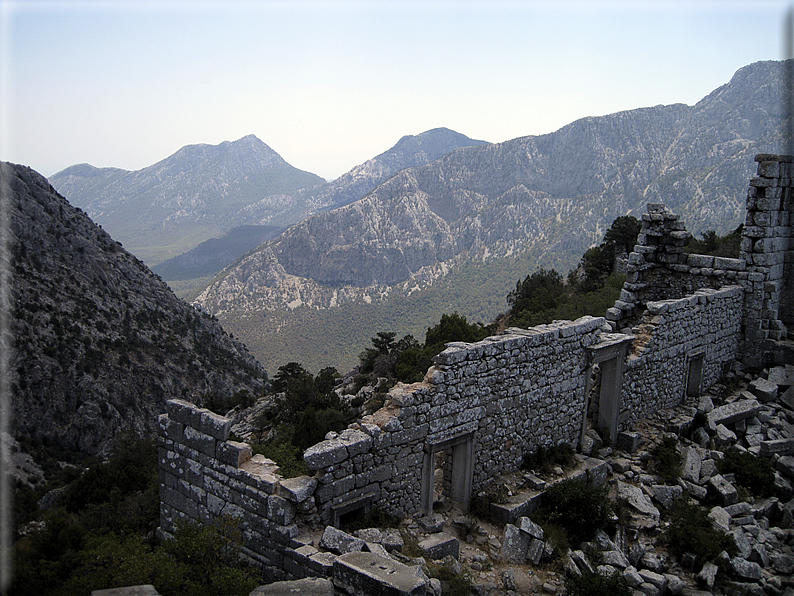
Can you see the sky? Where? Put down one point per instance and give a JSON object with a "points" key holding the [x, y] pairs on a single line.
{"points": [[329, 84]]}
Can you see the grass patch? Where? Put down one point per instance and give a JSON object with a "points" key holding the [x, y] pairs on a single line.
{"points": [[596, 584], [288, 457]]}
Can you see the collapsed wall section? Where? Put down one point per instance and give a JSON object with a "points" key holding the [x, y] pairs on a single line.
{"points": [[682, 346]]}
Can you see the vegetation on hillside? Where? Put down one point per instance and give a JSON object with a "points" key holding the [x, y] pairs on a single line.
{"points": [[716, 245]]}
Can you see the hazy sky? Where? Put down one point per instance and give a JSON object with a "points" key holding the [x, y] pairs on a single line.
{"points": [[329, 84]]}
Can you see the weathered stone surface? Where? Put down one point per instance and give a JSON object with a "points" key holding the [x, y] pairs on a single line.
{"points": [[690, 464], [788, 398], [296, 490], [340, 542], [730, 413], [785, 465], [439, 545], [324, 454], [782, 375], [146, 590], [637, 499], [535, 551], [725, 492], [665, 495], [527, 525], [313, 586], [707, 575], [365, 574], [780, 446], [764, 390], [720, 518], [746, 570], [515, 545], [615, 558]]}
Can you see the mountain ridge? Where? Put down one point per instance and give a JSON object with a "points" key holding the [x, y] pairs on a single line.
{"points": [[553, 195]]}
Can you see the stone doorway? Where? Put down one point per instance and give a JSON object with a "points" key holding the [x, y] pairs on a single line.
{"points": [[694, 379], [603, 387], [448, 470]]}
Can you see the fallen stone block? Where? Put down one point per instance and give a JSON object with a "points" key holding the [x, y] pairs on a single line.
{"points": [[726, 493], [527, 525], [296, 490], [785, 465], [313, 586], [364, 574], [781, 446], [730, 413], [764, 390], [629, 441], [324, 454], [696, 491], [439, 545], [637, 499], [340, 542], [707, 575], [782, 375], [720, 518], [535, 551], [518, 505], [690, 464], [147, 590], [615, 558], [745, 569], [431, 523], [515, 545], [665, 495]]}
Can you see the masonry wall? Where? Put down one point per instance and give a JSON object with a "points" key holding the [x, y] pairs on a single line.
{"points": [[673, 334], [204, 476], [510, 394]]}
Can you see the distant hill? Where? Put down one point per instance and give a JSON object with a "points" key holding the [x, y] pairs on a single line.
{"points": [[100, 341], [491, 213], [166, 209]]}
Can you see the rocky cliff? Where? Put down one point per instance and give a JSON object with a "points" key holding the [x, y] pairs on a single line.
{"points": [[100, 341]]}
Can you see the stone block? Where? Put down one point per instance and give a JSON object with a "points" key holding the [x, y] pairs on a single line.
{"points": [[355, 441], [233, 453], [615, 558], [280, 511], [145, 590], [725, 492], [782, 375], [325, 453], [296, 490], [690, 464], [214, 425], [629, 441], [200, 442], [720, 517], [364, 574], [310, 586], [730, 413], [439, 545], [787, 399], [764, 390], [746, 570], [785, 465], [529, 527], [781, 446], [340, 542], [535, 551], [665, 495], [515, 545], [634, 496]]}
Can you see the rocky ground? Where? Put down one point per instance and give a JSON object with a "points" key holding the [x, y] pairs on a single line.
{"points": [[749, 413]]}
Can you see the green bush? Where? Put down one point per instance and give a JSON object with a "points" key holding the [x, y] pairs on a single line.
{"points": [[544, 459], [595, 584], [288, 456], [480, 504], [691, 531], [577, 507], [753, 473], [666, 460]]}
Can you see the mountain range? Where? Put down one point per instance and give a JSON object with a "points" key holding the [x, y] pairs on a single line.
{"points": [[478, 218], [100, 341]]}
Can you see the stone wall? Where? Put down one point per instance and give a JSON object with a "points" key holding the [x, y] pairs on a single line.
{"points": [[701, 331]]}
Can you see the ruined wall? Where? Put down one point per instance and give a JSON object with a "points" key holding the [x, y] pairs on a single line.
{"points": [[505, 395], [204, 476], [769, 253], [700, 331]]}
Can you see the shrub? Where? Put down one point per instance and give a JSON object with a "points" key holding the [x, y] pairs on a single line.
{"points": [[289, 457], [595, 584], [577, 507], [481, 503], [545, 458], [753, 473], [667, 460], [691, 531]]}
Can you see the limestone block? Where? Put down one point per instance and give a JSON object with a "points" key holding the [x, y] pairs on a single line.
{"points": [[529, 527], [199, 441], [364, 574], [326, 453], [730, 413], [665, 495], [439, 545], [637, 499], [781, 446], [720, 517], [764, 390], [725, 492], [296, 490], [233, 453], [145, 590], [690, 464], [310, 586], [785, 465], [615, 558], [280, 510], [214, 425], [340, 542], [746, 570], [535, 551], [707, 575], [782, 375], [355, 441]]}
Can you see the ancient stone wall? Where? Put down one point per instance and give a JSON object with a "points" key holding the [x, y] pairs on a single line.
{"points": [[680, 345]]}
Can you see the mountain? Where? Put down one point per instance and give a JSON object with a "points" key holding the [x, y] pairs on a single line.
{"points": [[100, 341], [165, 209], [431, 236]]}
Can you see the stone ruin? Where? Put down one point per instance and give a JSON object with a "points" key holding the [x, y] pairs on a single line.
{"points": [[681, 322]]}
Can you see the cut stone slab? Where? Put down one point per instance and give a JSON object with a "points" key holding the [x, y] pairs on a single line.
{"points": [[439, 545], [690, 464], [787, 398], [296, 490], [746, 569], [730, 413], [364, 574], [515, 545], [665, 495], [782, 375], [637, 499], [147, 590], [527, 525], [720, 518], [707, 575], [340, 542], [314, 586], [535, 551], [785, 465], [781, 446], [764, 390], [725, 491]]}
